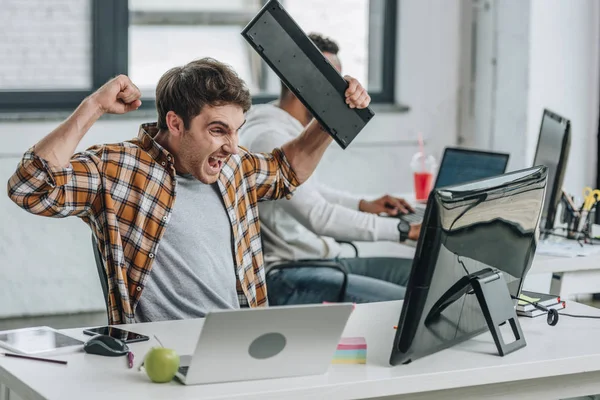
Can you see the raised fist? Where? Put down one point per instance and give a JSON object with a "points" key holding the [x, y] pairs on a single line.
{"points": [[117, 96]]}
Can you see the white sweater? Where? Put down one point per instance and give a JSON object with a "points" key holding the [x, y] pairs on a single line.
{"points": [[307, 225]]}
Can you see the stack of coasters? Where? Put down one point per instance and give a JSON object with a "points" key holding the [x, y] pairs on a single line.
{"points": [[351, 351]]}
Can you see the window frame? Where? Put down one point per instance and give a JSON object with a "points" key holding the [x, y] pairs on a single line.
{"points": [[388, 35], [110, 52], [110, 31]]}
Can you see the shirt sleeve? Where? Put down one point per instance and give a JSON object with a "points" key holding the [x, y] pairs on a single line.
{"points": [[272, 173], [340, 197], [324, 218], [43, 189]]}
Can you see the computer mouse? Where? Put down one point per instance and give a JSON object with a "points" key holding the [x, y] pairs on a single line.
{"points": [[105, 345]]}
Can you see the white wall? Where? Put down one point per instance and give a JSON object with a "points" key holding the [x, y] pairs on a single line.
{"points": [[563, 76], [428, 80], [60, 275], [532, 55], [46, 264], [510, 95], [45, 44]]}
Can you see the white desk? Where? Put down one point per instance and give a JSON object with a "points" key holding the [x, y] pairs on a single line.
{"points": [[571, 276], [558, 362], [558, 275]]}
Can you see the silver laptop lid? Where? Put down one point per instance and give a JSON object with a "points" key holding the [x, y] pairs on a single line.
{"points": [[262, 343]]}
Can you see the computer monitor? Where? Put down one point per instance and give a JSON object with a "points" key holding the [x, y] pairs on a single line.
{"points": [[464, 165], [553, 147], [469, 230]]}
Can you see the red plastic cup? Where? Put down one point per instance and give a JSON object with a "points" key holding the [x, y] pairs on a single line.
{"points": [[423, 185], [423, 166]]}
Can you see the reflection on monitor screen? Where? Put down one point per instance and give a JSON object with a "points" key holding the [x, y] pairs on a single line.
{"points": [[469, 230]]}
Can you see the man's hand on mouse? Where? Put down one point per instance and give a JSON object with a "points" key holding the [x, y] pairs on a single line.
{"points": [[386, 204]]}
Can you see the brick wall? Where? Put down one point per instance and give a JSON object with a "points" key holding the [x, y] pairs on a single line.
{"points": [[45, 44]]}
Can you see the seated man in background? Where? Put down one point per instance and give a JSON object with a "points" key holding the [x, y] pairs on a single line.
{"points": [[309, 225], [166, 258]]}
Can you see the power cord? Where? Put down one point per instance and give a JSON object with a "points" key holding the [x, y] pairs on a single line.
{"points": [[553, 314], [580, 316], [552, 317], [462, 264]]}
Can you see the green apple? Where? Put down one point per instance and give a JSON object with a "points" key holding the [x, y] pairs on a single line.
{"points": [[161, 364]]}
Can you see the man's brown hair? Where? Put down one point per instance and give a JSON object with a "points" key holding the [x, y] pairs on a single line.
{"points": [[186, 90]]}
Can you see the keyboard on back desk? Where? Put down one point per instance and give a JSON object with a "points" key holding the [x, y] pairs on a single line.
{"points": [[415, 217]]}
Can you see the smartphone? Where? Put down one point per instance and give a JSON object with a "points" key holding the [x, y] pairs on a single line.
{"points": [[117, 333]]}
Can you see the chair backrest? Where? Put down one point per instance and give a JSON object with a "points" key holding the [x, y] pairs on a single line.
{"points": [[101, 270], [275, 267]]}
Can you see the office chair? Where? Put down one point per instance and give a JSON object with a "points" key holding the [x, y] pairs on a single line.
{"points": [[335, 295], [351, 245], [101, 271]]}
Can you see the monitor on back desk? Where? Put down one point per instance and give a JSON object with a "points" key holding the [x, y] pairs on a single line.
{"points": [[552, 151], [464, 165], [461, 165], [480, 233]]}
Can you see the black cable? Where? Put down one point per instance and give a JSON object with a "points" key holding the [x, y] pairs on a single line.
{"points": [[535, 304], [462, 264], [552, 314], [549, 232], [565, 314], [580, 316]]}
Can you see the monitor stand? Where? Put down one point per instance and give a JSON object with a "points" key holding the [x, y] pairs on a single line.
{"points": [[498, 308], [495, 301]]}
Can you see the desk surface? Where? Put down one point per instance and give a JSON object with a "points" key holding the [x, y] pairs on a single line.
{"points": [[571, 347]]}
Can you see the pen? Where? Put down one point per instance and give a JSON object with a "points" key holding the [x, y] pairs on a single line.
{"points": [[130, 359], [35, 358]]}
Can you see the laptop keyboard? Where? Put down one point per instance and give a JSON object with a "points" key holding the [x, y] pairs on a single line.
{"points": [[184, 370], [415, 217]]}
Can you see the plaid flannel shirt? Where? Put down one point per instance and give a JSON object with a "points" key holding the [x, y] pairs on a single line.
{"points": [[125, 193]]}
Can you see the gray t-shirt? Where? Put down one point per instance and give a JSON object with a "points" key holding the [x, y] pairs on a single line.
{"points": [[193, 272]]}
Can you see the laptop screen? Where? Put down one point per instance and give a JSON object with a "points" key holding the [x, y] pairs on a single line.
{"points": [[461, 165]]}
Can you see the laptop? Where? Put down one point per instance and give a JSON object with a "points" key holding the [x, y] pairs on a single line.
{"points": [[460, 166], [262, 343]]}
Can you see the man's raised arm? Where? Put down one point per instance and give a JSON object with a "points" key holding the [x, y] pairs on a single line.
{"points": [[49, 180], [277, 174], [305, 151]]}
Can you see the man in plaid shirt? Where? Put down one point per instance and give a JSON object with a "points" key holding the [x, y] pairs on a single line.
{"points": [[183, 184]]}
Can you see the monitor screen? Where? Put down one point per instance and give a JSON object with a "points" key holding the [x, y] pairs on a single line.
{"points": [[552, 152], [462, 165], [468, 229]]}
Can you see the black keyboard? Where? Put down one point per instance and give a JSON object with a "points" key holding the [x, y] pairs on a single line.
{"points": [[183, 370], [415, 217]]}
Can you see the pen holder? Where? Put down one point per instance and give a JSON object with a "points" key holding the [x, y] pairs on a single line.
{"points": [[580, 226], [573, 228]]}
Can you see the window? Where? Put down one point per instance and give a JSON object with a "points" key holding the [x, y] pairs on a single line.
{"points": [[166, 34], [59, 51]]}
